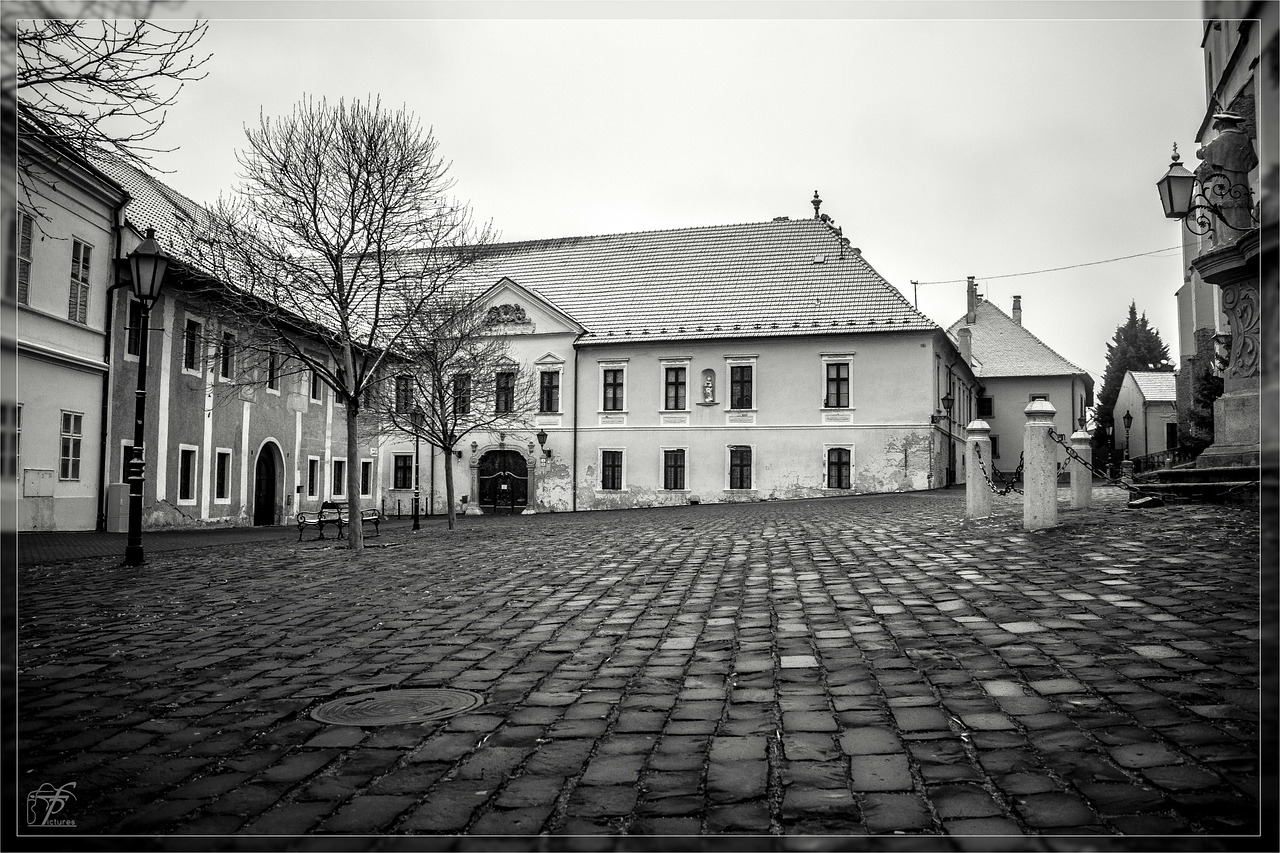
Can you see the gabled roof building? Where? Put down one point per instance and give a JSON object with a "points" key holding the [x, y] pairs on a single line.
{"points": [[1151, 397], [1014, 367]]}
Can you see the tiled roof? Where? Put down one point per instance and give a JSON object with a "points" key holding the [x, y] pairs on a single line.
{"points": [[1002, 347], [1156, 386], [784, 277], [758, 279]]}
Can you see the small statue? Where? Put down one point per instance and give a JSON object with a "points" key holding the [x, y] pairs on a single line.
{"points": [[708, 390]]}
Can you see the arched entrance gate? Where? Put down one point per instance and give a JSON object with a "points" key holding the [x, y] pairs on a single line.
{"points": [[502, 482], [268, 472]]}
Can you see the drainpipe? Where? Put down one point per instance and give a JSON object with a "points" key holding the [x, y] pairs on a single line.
{"points": [[104, 429], [431, 496], [573, 495]]}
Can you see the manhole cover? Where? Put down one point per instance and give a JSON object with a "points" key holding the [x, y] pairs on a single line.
{"points": [[389, 707]]}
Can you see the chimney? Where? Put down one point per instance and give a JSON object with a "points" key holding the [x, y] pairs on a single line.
{"points": [[970, 317], [965, 336], [1017, 310]]}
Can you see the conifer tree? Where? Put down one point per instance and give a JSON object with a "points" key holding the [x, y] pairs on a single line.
{"points": [[1136, 346]]}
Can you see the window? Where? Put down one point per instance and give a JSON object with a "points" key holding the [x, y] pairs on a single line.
{"points": [[10, 440], [1170, 436], [190, 345], [273, 370], [402, 471], [186, 474], [404, 394], [549, 391], [21, 288], [316, 386], [222, 476], [611, 470], [740, 467], [673, 470], [462, 394], [837, 385], [839, 465], [740, 376], [1033, 397], [133, 330], [611, 379], [78, 300], [227, 356], [313, 477], [995, 447], [675, 385], [338, 488], [366, 478], [69, 458], [986, 407], [504, 392]]}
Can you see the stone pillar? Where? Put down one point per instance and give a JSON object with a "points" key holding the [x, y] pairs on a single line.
{"points": [[531, 487], [1081, 475], [1039, 468], [977, 496], [473, 502]]}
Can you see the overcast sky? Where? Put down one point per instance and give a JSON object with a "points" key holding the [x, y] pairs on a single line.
{"points": [[946, 139]]}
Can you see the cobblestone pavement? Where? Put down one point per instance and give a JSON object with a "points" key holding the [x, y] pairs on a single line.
{"points": [[866, 665]]}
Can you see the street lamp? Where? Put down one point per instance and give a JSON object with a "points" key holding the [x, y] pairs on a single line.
{"points": [[947, 402], [1216, 192], [415, 417], [147, 265], [542, 442], [1128, 422]]}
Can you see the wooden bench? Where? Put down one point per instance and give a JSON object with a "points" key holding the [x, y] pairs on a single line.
{"points": [[337, 515]]}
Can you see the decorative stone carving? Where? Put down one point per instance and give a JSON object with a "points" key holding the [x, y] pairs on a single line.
{"points": [[1240, 301], [506, 313]]}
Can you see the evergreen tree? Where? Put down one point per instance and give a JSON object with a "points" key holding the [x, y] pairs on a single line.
{"points": [[1136, 346]]}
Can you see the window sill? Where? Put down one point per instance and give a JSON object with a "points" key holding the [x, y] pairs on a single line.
{"points": [[222, 501], [275, 391]]}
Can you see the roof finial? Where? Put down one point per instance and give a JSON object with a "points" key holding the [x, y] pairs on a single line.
{"points": [[817, 203]]}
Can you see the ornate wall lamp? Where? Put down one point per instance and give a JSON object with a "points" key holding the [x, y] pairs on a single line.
{"points": [[947, 402], [542, 442], [1217, 192]]}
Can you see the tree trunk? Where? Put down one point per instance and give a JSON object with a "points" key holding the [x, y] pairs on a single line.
{"points": [[355, 529], [448, 485]]}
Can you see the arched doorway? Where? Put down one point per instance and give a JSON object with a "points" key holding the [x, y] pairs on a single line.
{"points": [[266, 473], [503, 481]]}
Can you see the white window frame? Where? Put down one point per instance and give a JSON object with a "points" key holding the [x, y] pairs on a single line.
{"points": [[363, 493], [662, 469], [200, 353], [195, 474], [558, 370], [336, 482], [395, 468], [230, 375], [314, 382], [728, 458], [78, 437], [837, 358], [273, 365], [602, 366], [218, 454], [315, 485], [665, 364], [732, 361], [826, 466], [600, 469], [85, 286]]}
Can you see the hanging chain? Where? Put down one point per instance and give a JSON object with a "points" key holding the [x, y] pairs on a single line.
{"points": [[1134, 490], [1008, 487]]}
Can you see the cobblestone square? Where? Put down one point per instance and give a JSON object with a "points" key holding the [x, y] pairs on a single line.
{"points": [[825, 667]]}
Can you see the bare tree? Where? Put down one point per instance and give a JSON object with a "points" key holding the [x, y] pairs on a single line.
{"points": [[459, 376], [95, 78], [339, 237]]}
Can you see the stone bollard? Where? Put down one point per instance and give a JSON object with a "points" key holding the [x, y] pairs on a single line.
{"points": [[977, 494], [1081, 473], [1039, 468], [1126, 471]]}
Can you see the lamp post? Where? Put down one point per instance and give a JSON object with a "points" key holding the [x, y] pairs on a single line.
{"points": [[147, 265], [542, 442], [1128, 422], [415, 417]]}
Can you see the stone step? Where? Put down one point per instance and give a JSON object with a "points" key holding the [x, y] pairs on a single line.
{"points": [[1236, 492], [1233, 474]]}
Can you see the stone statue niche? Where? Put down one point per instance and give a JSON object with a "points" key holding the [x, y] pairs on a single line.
{"points": [[708, 386]]}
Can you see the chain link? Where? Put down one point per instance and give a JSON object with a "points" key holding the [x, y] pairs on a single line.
{"points": [[1008, 487], [1130, 487]]}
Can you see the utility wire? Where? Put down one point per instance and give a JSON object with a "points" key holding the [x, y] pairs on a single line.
{"points": [[1051, 269]]}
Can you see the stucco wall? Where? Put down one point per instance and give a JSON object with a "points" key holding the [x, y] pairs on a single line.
{"points": [[1010, 397]]}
